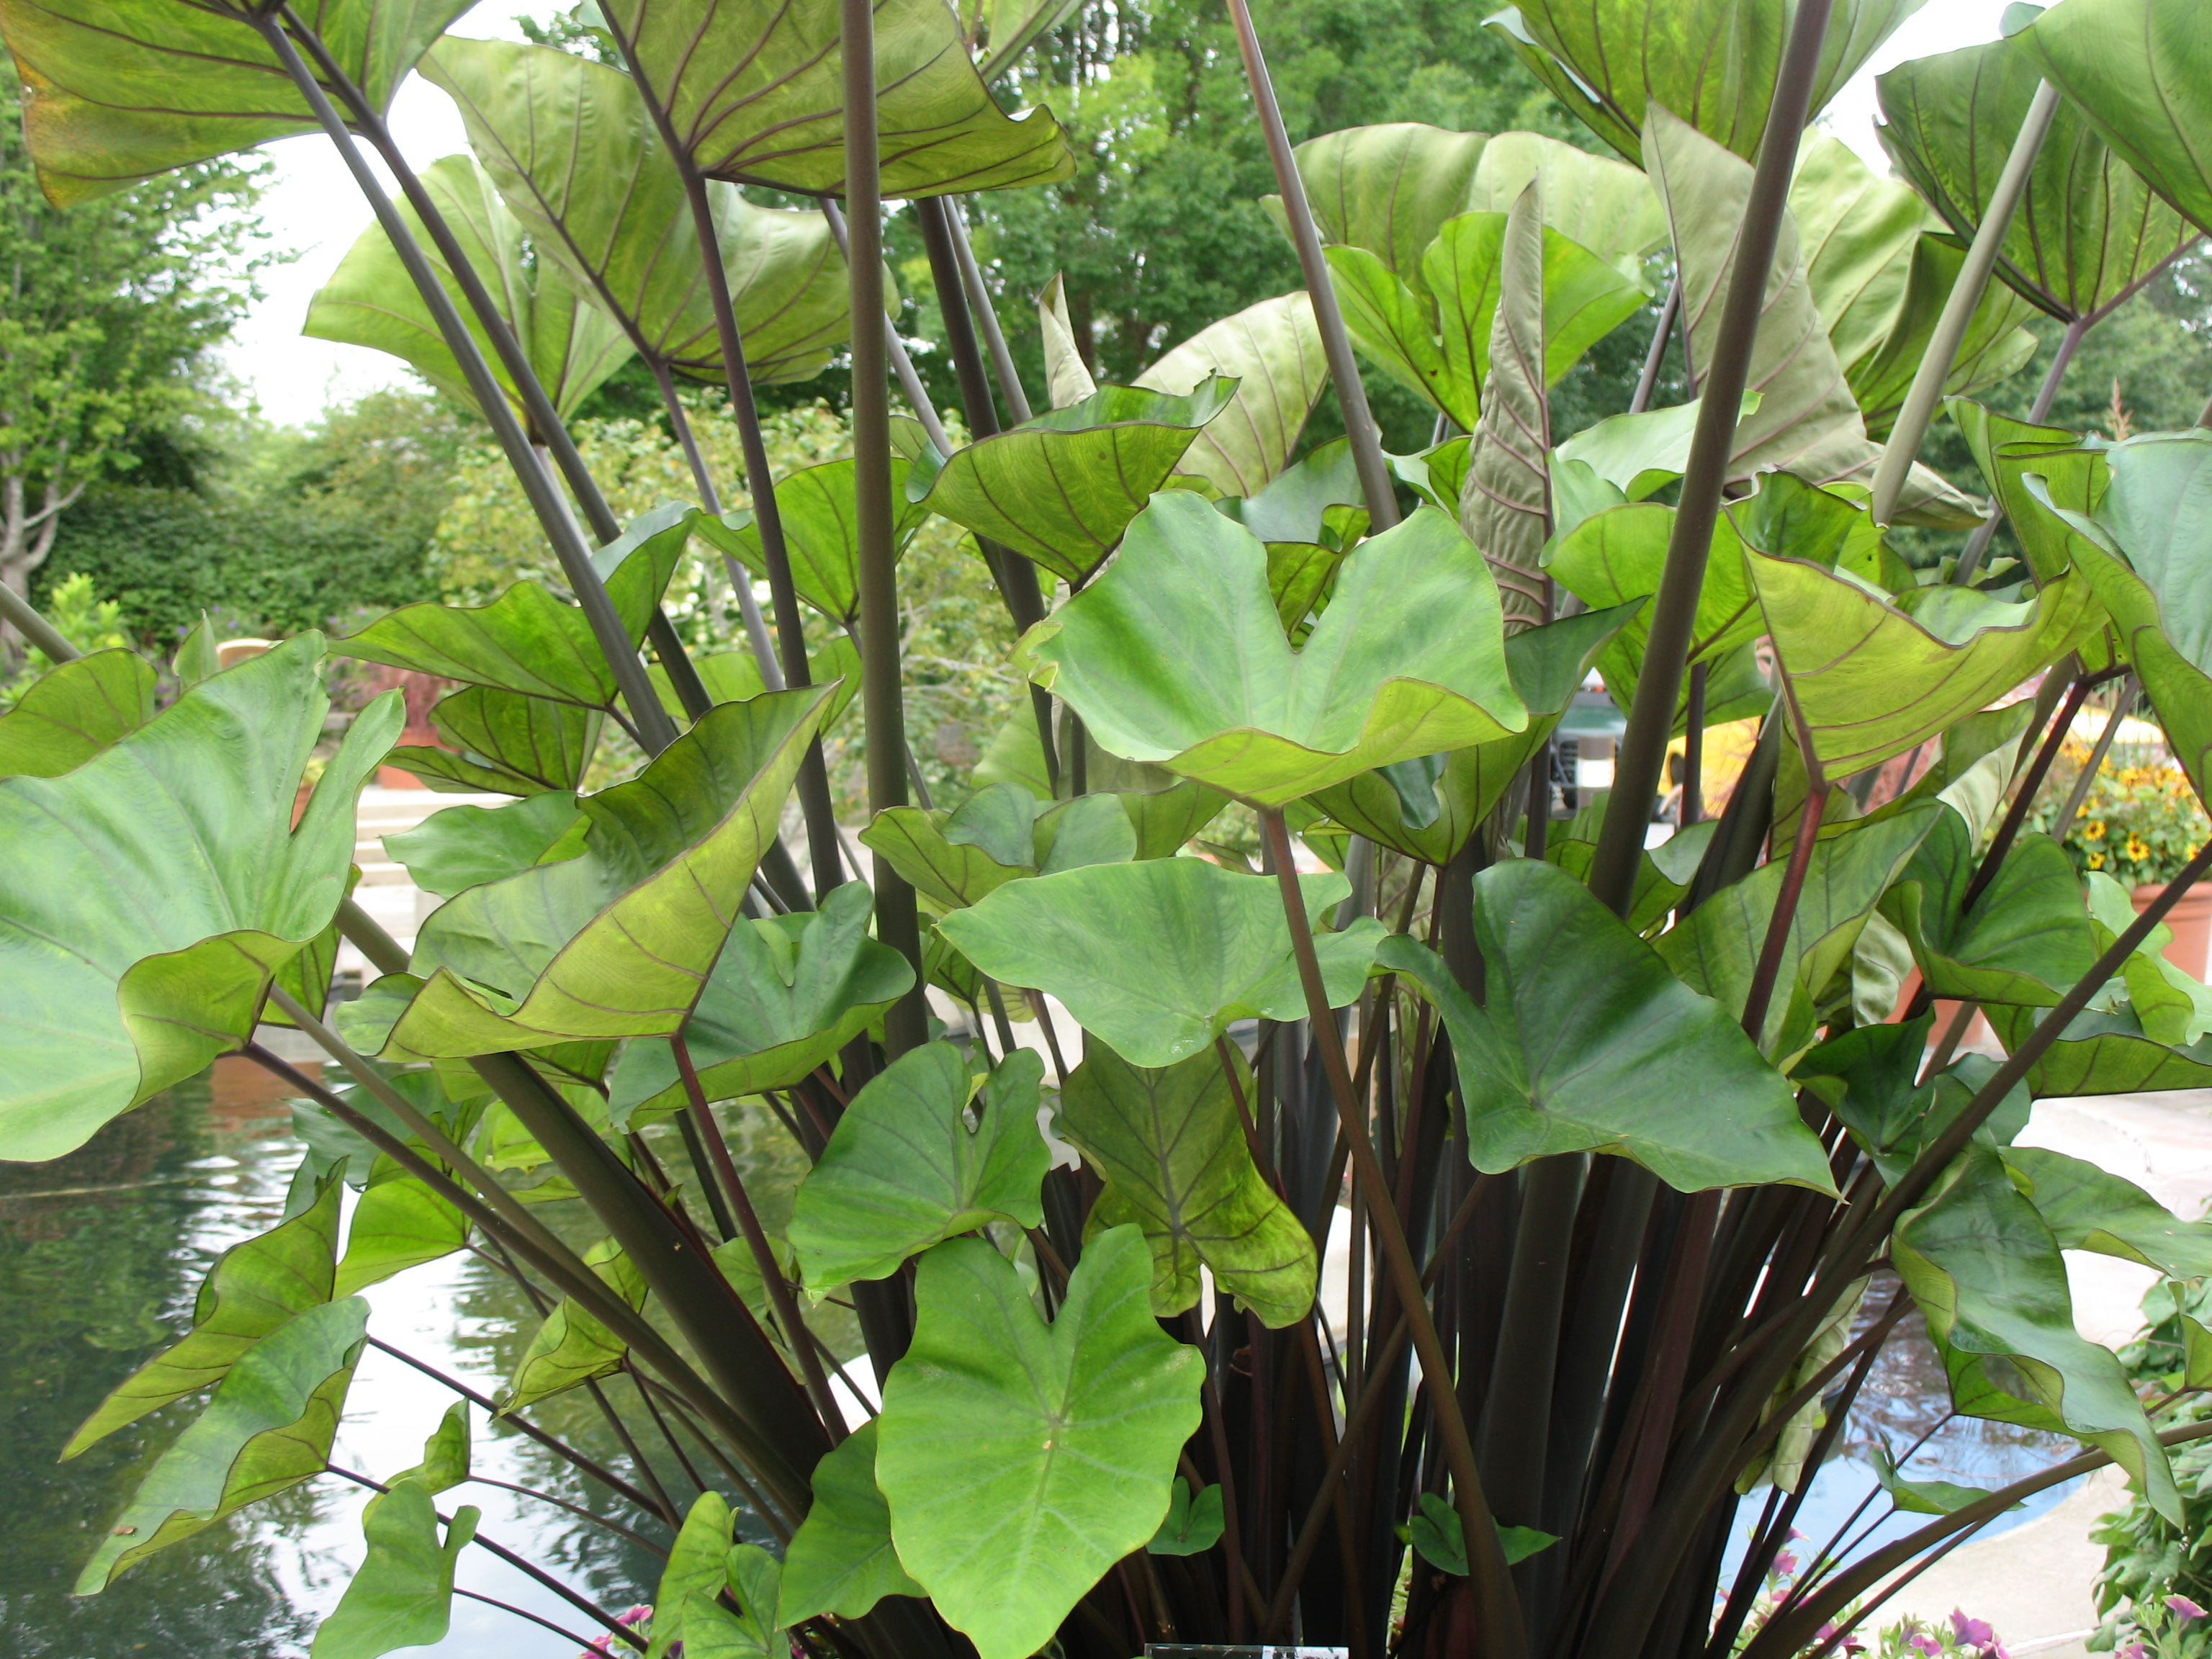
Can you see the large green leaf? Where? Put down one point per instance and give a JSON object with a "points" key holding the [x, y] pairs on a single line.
{"points": [[1856, 232], [2008, 451], [268, 1428], [1427, 807], [841, 1559], [759, 98], [1388, 189], [371, 301], [2141, 71], [526, 640], [1175, 655], [1171, 1150], [787, 994], [619, 941], [1807, 422], [400, 1222], [1869, 1076], [821, 533], [503, 742], [1159, 957], [1062, 489], [1875, 676], [1601, 205], [147, 896], [1020, 1459], [2087, 1209], [575, 151], [1715, 950], [698, 1570], [1986, 1271], [253, 1287], [2027, 939], [903, 1171], [464, 847], [1712, 62], [2147, 552], [1000, 834], [1647, 1068], [121, 90], [1273, 350], [69, 715], [1506, 503], [2105, 1054], [402, 1594], [2087, 230]]}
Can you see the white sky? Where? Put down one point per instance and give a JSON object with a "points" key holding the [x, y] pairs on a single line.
{"points": [[313, 208]]}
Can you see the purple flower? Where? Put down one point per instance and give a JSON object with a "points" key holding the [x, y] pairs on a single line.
{"points": [[1970, 1633], [2133, 1650], [1927, 1644], [1785, 1564], [1793, 1536], [1828, 1632], [2183, 1608]]}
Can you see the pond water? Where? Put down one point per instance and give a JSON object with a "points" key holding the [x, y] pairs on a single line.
{"points": [[102, 1252]]}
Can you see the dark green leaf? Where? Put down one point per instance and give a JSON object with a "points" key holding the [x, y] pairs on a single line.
{"points": [[504, 743], [1194, 1524], [1159, 957], [1647, 1069], [2087, 1209], [2026, 938]]}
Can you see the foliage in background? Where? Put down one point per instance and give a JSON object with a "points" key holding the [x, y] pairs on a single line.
{"points": [[2138, 823]]}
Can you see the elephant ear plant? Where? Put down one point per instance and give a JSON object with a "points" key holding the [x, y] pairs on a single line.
{"points": [[1455, 1235]]}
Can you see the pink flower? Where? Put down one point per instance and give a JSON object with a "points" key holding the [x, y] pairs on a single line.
{"points": [[1970, 1633], [1785, 1564], [2184, 1607], [1793, 1536], [1828, 1632], [1927, 1644]]}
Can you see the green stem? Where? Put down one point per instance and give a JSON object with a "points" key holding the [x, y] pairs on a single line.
{"points": [[987, 317], [1642, 751], [16, 610], [1919, 409], [883, 700], [1497, 1605], [1359, 427]]}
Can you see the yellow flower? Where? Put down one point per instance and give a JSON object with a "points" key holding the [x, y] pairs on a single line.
{"points": [[2096, 860], [2137, 850], [2094, 830]]}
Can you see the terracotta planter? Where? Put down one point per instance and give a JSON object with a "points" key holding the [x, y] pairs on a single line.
{"points": [[2191, 919], [1978, 1035]]}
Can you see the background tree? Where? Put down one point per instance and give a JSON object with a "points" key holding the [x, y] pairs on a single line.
{"points": [[108, 309]]}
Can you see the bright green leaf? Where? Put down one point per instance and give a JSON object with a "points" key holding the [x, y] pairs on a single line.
{"points": [[570, 1347], [2138, 70], [841, 1559], [821, 534], [68, 716], [1194, 1524], [503, 742], [1021, 1460], [1273, 350], [464, 847], [401, 1594], [697, 1566], [400, 1222]]}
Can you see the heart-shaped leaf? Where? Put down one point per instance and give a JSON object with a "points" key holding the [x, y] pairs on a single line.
{"points": [[1987, 1271], [697, 1570], [1171, 1150], [1713, 62], [570, 1347], [400, 1222], [734, 676], [1193, 1525], [996, 835], [2026, 938], [821, 534], [126, 90], [503, 742], [1176, 656], [1874, 677], [2140, 70], [573, 346], [1869, 1078], [526, 640], [268, 1428], [1273, 351], [761, 99], [1021, 1460], [1060, 488], [2087, 230], [616, 941], [1159, 957], [2146, 552], [253, 1287], [1647, 1069], [903, 1171], [1388, 189], [69, 715], [2087, 1209], [148, 896], [401, 1594], [787, 994], [841, 1559], [575, 151], [2009, 453]]}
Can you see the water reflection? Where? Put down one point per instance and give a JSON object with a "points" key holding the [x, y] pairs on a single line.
{"points": [[101, 1253]]}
